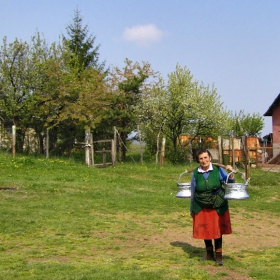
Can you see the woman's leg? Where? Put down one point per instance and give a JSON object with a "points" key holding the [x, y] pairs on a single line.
{"points": [[209, 250], [218, 250]]}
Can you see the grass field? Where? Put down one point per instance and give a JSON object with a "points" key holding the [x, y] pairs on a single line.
{"points": [[62, 220]]}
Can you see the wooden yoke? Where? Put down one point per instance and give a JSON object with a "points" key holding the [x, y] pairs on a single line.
{"points": [[216, 164], [224, 166]]}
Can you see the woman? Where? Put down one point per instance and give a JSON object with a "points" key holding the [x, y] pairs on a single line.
{"points": [[209, 209]]}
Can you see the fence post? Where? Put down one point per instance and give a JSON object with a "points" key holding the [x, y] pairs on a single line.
{"points": [[114, 147], [233, 159], [87, 158], [247, 162], [91, 149], [104, 157], [13, 141], [162, 151], [113, 151], [47, 143], [140, 142], [220, 149]]}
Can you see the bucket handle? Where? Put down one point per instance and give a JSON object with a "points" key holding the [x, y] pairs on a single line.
{"points": [[186, 172], [242, 175]]}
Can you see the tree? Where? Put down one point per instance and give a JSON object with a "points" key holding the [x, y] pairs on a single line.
{"points": [[127, 87], [151, 111], [207, 117], [77, 101], [61, 87], [180, 90], [45, 81], [83, 87], [184, 107], [247, 124], [81, 45], [15, 95]]}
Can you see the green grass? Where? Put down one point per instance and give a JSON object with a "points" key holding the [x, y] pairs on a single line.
{"points": [[62, 220]]}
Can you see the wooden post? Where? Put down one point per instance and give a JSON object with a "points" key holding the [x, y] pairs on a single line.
{"points": [[13, 141], [119, 146], [141, 147], [220, 149], [247, 163], [114, 147], [157, 147], [162, 151], [190, 153], [91, 149], [113, 152], [47, 143], [104, 157], [233, 159], [87, 158]]}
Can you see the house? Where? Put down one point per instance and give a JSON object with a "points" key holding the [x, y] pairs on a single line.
{"points": [[274, 112]]}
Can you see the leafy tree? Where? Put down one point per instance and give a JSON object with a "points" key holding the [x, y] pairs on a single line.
{"points": [[247, 124], [44, 84], [127, 86], [207, 117], [77, 102], [151, 111], [31, 79], [61, 87], [179, 89], [83, 90], [184, 106], [15, 95]]}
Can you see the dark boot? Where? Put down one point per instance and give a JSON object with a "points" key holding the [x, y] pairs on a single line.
{"points": [[219, 257], [218, 250], [209, 254]]}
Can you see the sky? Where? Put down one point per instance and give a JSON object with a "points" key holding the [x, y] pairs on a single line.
{"points": [[233, 45]]}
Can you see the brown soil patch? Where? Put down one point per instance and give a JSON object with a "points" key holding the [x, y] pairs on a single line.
{"points": [[254, 231], [270, 167], [250, 231], [8, 189]]}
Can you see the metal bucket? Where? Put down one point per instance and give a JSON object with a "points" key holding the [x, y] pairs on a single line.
{"points": [[184, 189], [236, 190]]}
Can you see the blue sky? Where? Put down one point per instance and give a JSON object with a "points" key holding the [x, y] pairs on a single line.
{"points": [[234, 45]]}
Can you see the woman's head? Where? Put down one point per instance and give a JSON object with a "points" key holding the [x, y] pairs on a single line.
{"points": [[203, 157], [201, 151]]}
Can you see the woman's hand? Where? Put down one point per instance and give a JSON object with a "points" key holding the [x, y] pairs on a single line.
{"points": [[230, 169]]}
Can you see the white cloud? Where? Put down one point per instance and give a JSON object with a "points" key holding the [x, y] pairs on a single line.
{"points": [[143, 35]]}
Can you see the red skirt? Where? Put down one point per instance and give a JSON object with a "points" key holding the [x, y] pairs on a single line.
{"points": [[207, 224]]}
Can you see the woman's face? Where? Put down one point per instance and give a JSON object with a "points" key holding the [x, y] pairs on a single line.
{"points": [[204, 160]]}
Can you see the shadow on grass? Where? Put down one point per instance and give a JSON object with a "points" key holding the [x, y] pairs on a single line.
{"points": [[193, 251]]}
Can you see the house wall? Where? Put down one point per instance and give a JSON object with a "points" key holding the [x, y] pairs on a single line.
{"points": [[276, 131], [276, 125]]}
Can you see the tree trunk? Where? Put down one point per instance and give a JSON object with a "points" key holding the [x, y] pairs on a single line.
{"points": [[41, 143], [20, 140], [53, 139], [174, 141]]}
